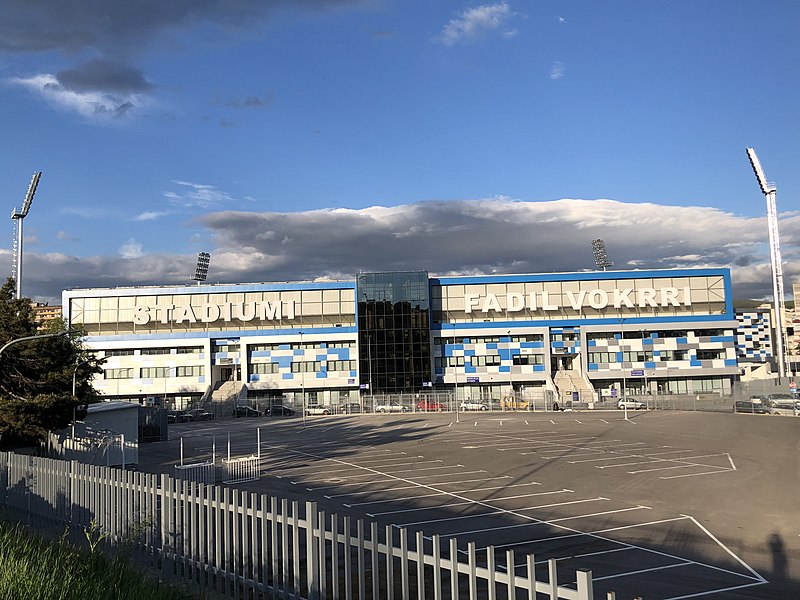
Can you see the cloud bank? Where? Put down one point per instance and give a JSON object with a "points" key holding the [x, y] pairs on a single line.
{"points": [[495, 235]]}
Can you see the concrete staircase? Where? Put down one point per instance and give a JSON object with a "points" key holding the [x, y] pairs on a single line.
{"points": [[229, 391], [567, 382]]}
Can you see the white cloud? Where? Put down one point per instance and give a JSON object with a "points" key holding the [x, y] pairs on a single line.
{"points": [[557, 70], [474, 22], [91, 104], [131, 249], [492, 235], [194, 195], [150, 215]]}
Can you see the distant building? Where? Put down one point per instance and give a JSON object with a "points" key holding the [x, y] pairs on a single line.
{"points": [[43, 313]]}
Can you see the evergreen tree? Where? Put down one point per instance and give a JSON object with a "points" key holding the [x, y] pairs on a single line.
{"points": [[36, 375]]}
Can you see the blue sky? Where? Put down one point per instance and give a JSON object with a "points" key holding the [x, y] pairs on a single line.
{"points": [[313, 139]]}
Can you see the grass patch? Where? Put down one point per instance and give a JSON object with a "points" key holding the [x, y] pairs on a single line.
{"points": [[33, 567]]}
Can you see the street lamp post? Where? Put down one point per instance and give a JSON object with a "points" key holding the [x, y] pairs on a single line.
{"points": [[303, 379], [510, 382]]}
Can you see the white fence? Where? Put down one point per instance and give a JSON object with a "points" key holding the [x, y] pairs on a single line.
{"points": [[254, 546]]}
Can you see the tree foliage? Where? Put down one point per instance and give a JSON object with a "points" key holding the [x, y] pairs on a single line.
{"points": [[36, 376]]}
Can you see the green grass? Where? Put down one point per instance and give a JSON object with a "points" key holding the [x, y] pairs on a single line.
{"points": [[32, 567]]}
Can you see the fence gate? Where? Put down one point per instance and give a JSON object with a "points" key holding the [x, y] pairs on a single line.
{"points": [[239, 470], [198, 472]]}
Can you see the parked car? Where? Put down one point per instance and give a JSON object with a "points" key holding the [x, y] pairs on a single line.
{"points": [[785, 407], [350, 408], [391, 407], [177, 416], [630, 403], [429, 406], [200, 414], [318, 409], [279, 410], [748, 406], [246, 411], [473, 405]]}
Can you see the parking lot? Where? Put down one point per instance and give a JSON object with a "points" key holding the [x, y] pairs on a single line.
{"points": [[661, 504]]}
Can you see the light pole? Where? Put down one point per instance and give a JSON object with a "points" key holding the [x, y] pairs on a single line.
{"points": [[33, 337], [510, 382], [624, 381], [303, 380]]}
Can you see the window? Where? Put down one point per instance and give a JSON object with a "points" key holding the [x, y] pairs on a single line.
{"points": [[312, 366], [602, 357], [674, 355], [341, 365], [528, 359], [154, 372], [118, 374], [709, 354], [304, 346], [190, 350], [155, 351], [264, 368], [490, 360], [120, 352], [192, 371], [567, 336], [340, 344], [455, 361]]}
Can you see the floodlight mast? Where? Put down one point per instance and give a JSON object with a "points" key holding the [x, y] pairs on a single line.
{"points": [[201, 271], [600, 255], [769, 190], [18, 216]]}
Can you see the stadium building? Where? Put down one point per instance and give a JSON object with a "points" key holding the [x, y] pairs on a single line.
{"points": [[507, 338]]}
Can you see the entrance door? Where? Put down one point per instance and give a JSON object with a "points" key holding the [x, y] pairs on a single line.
{"points": [[226, 373]]}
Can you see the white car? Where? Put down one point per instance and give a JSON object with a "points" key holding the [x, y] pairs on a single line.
{"points": [[473, 405], [630, 403], [318, 409], [391, 407]]}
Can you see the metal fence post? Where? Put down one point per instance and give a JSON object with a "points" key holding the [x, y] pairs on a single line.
{"points": [[312, 550], [584, 579]]}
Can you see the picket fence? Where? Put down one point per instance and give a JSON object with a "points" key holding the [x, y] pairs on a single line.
{"points": [[253, 546]]}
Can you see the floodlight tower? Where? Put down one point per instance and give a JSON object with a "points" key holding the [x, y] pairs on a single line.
{"points": [[18, 216], [769, 189], [600, 256], [201, 271]]}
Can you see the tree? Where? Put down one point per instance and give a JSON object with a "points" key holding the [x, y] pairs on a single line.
{"points": [[36, 375]]}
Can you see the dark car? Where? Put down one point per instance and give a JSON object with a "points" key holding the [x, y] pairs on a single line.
{"points": [[350, 408], [246, 411], [178, 416], [279, 410], [747, 406], [200, 414]]}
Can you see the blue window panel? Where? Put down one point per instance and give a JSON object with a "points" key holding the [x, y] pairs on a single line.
{"points": [[594, 367], [287, 375], [491, 346], [577, 344], [649, 365], [254, 377], [557, 330], [682, 340], [322, 375], [619, 357], [504, 369], [299, 352], [469, 352], [721, 338], [201, 379], [324, 368], [557, 344], [341, 353], [538, 368], [323, 345], [321, 357], [261, 353], [284, 362], [285, 347], [469, 369], [353, 374], [647, 342], [506, 354], [591, 343], [448, 350], [656, 352], [730, 362], [438, 371], [695, 363], [531, 344]]}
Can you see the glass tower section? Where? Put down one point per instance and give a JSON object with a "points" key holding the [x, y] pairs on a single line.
{"points": [[394, 331]]}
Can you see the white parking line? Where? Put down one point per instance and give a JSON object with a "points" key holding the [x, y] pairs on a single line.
{"points": [[467, 491], [452, 504], [417, 486], [338, 485]]}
